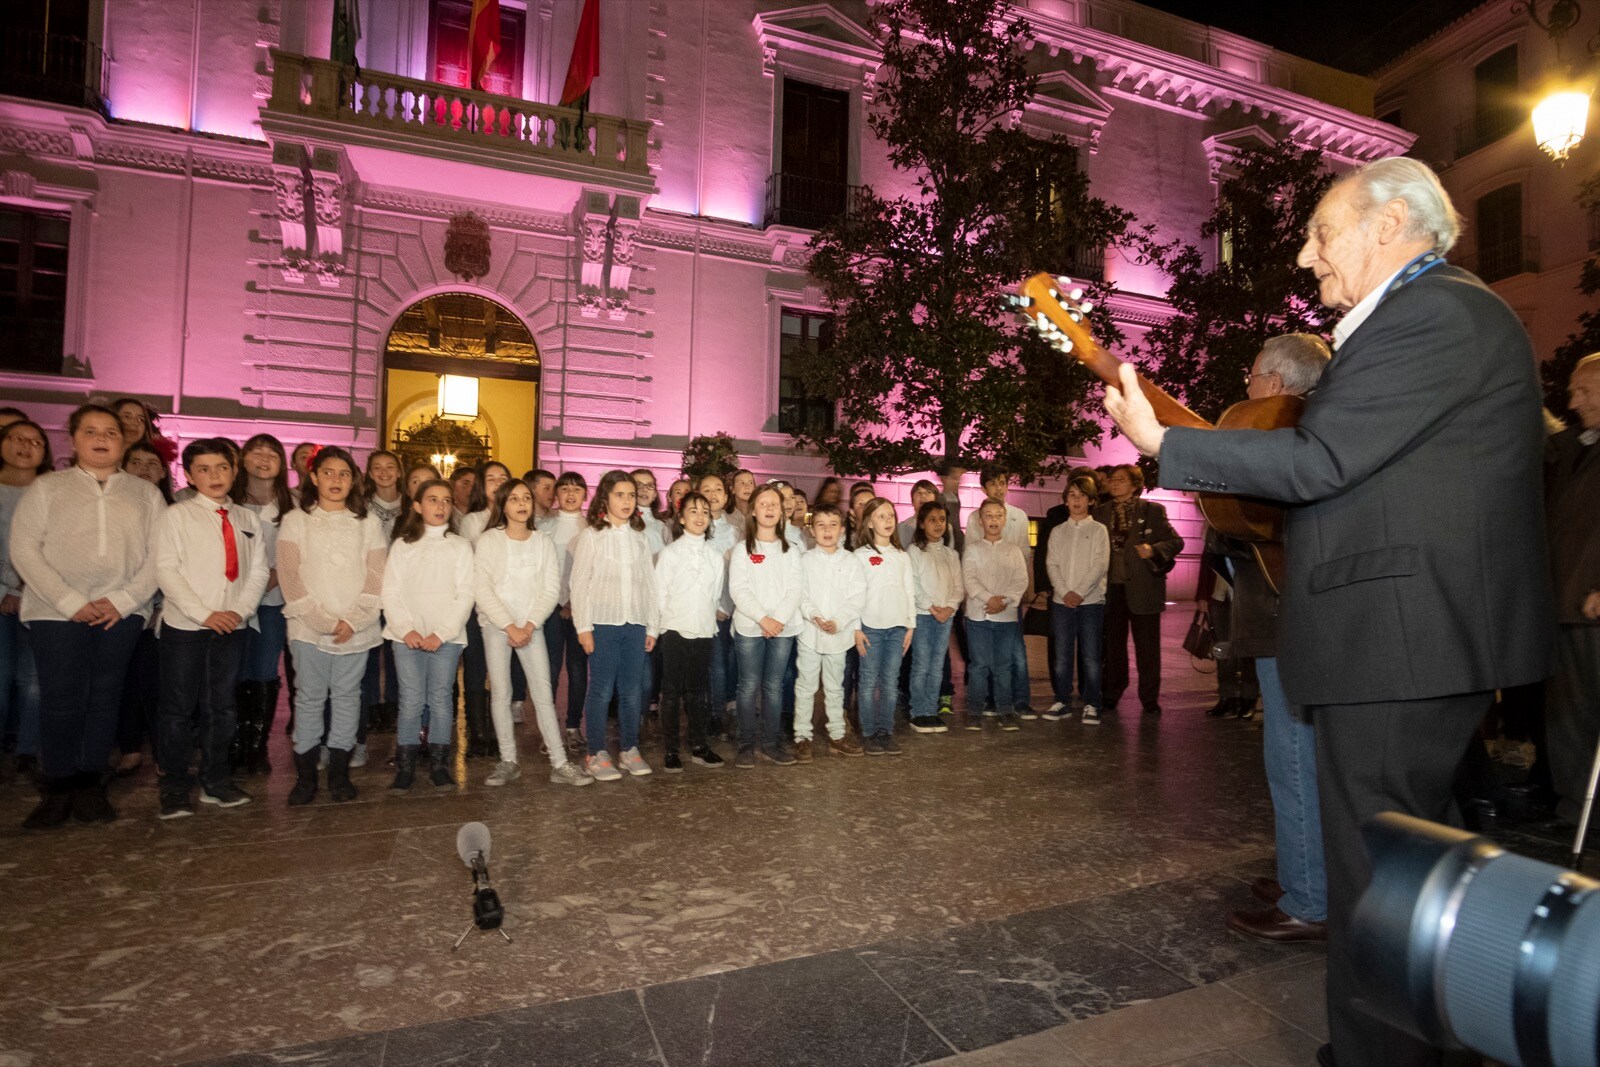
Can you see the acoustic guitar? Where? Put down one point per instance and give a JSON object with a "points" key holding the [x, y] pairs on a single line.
{"points": [[1055, 308]]}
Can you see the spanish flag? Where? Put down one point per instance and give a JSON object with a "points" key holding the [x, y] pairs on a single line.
{"points": [[483, 38], [585, 62]]}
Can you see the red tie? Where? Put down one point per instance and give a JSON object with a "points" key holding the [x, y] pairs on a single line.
{"points": [[230, 551]]}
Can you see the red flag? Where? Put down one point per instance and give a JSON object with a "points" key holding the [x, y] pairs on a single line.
{"points": [[585, 56], [483, 38]]}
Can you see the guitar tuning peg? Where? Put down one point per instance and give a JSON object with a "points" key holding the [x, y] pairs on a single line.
{"points": [[1076, 294], [1066, 345], [1076, 316], [1025, 301], [1054, 295], [1041, 322], [1086, 307], [1063, 281]]}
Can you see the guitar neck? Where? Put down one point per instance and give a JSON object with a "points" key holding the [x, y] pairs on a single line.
{"points": [[1108, 369]]}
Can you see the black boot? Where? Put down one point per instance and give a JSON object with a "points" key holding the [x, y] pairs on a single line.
{"points": [[339, 785], [479, 731], [305, 786], [55, 806], [439, 767], [244, 707], [405, 769], [89, 803], [266, 708]]}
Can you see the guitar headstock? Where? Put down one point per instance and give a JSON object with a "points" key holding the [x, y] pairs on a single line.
{"points": [[1054, 306]]}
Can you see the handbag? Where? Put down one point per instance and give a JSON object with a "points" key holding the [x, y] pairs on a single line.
{"points": [[1201, 640]]}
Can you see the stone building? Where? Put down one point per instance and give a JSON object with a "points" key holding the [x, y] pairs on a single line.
{"points": [[212, 216]]}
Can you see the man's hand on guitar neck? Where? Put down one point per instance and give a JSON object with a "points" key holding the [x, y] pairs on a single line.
{"points": [[1133, 414]]}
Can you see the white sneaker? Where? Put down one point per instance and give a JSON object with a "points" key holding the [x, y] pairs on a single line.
{"points": [[634, 763], [570, 773], [516, 711], [504, 771], [601, 769], [1057, 712], [1091, 717], [358, 755]]}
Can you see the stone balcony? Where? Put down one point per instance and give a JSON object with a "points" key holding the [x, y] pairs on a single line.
{"points": [[321, 100]]}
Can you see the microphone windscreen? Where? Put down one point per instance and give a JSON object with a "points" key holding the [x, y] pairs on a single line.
{"points": [[472, 837]]}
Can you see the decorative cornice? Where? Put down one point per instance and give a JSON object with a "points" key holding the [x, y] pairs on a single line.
{"points": [[851, 44], [404, 202], [35, 142], [662, 230], [1149, 75], [1136, 309]]}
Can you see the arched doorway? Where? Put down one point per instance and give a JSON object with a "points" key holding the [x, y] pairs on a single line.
{"points": [[461, 384]]}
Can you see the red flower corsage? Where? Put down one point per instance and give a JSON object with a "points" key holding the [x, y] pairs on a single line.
{"points": [[757, 557], [874, 560]]}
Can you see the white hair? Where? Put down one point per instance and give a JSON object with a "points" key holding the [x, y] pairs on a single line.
{"points": [[1431, 215], [1298, 359]]}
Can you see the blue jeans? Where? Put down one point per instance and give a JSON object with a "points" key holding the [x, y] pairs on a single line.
{"points": [[1289, 743], [615, 667], [199, 674], [1080, 638], [427, 681], [724, 669], [930, 654], [993, 651], [81, 673], [263, 650], [880, 679], [763, 662], [19, 686], [1021, 689], [326, 680]]}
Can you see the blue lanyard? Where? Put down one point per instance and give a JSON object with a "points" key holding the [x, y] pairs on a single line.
{"points": [[1414, 270]]}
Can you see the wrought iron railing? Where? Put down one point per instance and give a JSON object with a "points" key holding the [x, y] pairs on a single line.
{"points": [[1504, 259], [389, 103], [809, 203], [54, 67]]}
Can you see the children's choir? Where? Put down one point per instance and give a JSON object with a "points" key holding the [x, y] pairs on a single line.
{"points": [[391, 591]]}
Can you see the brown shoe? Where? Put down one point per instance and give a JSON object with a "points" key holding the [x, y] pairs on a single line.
{"points": [[1274, 925], [802, 751], [845, 746], [1267, 890]]}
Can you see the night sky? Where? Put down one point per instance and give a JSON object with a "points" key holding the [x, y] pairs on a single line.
{"points": [[1355, 35]]}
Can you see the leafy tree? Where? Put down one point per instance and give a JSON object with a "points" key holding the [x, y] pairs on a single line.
{"points": [[1556, 370], [710, 453], [923, 363], [1223, 314]]}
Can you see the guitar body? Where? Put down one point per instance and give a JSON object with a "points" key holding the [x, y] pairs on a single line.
{"points": [[1057, 313]]}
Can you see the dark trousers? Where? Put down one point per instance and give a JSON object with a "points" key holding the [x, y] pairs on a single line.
{"points": [[1394, 756], [1572, 715], [1146, 649], [199, 673], [561, 641], [82, 669], [139, 712], [685, 670]]}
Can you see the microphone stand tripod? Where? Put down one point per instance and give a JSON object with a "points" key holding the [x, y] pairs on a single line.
{"points": [[487, 913]]}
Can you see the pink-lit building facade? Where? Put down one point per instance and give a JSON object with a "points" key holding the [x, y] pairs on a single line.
{"points": [[244, 230]]}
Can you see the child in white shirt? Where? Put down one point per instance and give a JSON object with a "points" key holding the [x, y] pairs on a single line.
{"points": [[834, 585], [888, 622], [937, 569], [995, 575], [689, 581], [764, 580]]}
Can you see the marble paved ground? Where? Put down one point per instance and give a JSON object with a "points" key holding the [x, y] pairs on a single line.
{"points": [[865, 911]]}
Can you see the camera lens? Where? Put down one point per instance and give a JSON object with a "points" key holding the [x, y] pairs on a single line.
{"points": [[1460, 942]]}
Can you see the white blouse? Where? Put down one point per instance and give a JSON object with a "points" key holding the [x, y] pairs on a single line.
{"points": [[613, 582], [833, 587], [427, 587], [938, 575], [517, 581], [267, 521], [561, 527], [330, 565], [891, 588], [690, 575], [765, 584], [75, 540]]}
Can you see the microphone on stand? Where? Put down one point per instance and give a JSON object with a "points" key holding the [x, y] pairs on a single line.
{"points": [[472, 845]]}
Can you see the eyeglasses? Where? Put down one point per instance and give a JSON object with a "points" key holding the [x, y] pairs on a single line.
{"points": [[1258, 374]]}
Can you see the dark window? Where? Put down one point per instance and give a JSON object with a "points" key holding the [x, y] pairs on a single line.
{"points": [[452, 52], [46, 53], [33, 291], [1502, 251], [1050, 207], [802, 333], [1496, 110], [811, 187]]}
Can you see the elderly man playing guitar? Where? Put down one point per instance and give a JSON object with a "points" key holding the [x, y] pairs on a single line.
{"points": [[1415, 580]]}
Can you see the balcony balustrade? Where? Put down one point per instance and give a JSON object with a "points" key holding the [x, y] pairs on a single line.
{"points": [[54, 67]]}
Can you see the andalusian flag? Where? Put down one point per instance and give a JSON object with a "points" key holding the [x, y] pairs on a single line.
{"points": [[585, 62], [483, 38]]}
